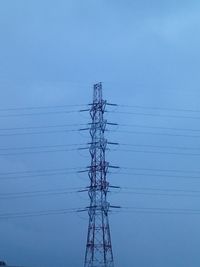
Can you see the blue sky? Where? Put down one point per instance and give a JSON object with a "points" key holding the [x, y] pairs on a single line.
{"points": [[146, 53]]}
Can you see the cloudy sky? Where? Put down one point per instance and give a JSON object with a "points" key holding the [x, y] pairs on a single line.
{"points": [[146, 54]]}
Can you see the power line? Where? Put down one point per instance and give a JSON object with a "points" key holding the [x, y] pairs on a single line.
{"points": [[39, 147], [158, 152], [40, 127], [42, 107], [38, 193], [37, 175], [159, 127], [159, 108], [162, 210], [145, 210], [37, 152], [160, 146], [61, 173], [156, 189], [77, 169], [131, 190], [162, 170], [157, 134], [82, 105], [36, 213], [76, 130], [161, 194], [155, 175], [33, 133], [43, 127], [40, 171], [38, 113], [154, 115]]}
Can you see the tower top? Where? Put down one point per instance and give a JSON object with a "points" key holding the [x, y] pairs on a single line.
{"points": [[98, 94]]}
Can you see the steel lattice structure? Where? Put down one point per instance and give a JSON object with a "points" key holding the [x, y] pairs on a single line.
{"points": [[99, 248]]}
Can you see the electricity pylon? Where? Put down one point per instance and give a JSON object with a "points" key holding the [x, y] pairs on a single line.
{"points": [[99, 248]]}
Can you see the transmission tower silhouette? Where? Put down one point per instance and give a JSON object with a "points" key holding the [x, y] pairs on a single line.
{"points": [[98, 248]]}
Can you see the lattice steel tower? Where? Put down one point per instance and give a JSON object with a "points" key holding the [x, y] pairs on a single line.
{"points": [[98, 249]]}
